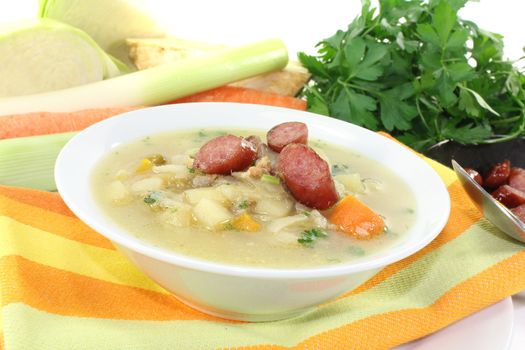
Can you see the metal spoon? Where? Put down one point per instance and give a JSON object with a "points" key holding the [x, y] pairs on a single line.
{"points": [[493, 210]]}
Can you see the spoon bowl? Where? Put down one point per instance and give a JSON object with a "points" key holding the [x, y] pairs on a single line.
{"points": [[493, 210]]}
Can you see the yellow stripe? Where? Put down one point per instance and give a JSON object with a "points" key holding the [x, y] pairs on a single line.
{"points": [[478, 248], [448, 176], [84, 259]]}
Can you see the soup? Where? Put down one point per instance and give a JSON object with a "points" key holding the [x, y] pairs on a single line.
{"points": [[230, 197]]}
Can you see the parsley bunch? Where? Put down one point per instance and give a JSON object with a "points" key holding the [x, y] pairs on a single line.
{"points": [[419, 72]]}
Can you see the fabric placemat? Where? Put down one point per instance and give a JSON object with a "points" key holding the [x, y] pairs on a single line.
{"points": [[63, 286]]}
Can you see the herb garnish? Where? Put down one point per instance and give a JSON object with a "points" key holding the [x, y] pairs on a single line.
{"points": [[151, 198], [416, 70], [308, 237], [243, 205]]}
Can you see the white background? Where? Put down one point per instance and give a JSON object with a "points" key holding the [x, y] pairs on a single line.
{"points": [[300, 23]]}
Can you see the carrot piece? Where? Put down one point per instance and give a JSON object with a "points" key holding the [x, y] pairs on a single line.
{"points": [[244, 95], [44, 123], [245, 222], [356, 218]]}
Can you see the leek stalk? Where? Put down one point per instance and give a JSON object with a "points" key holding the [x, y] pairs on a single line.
{"points": [[158, 84], [29, 161]]}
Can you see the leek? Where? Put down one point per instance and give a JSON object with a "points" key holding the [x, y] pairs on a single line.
{"points": [[159, 84], [29, 161], [270, 179]]}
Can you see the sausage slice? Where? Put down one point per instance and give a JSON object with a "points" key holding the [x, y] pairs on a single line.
{"points": [[509, 196], [286, 133], [307, 176], [498, 175], [225, 154], [517, 178]]}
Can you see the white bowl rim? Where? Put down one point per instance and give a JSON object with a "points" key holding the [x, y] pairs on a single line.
{"points": [[171, 257]]}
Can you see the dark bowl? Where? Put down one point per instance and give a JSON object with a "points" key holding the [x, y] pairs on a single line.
{"points": [[480, 157]]}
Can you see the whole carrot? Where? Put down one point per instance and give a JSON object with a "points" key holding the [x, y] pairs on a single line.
{"points": [[43, 123]]}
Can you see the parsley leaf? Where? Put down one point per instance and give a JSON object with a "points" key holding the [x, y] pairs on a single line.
{"points": [[309, 237], [418, 71], [243, 205]]}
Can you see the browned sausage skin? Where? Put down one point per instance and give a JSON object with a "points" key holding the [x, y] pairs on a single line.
{"points": [[307, 176], [509, 196], [225, 154], [286, 133], [498, 175], [475, 175]]}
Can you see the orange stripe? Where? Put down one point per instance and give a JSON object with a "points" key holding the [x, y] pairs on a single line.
{"points": [[385, 331], [463, 214], [65, 293], [65, 226], [46, 200]]}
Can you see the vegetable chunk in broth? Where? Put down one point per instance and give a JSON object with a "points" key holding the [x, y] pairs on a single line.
{"points": [[225, 196]]}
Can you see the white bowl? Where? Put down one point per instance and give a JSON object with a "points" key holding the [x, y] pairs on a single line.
{"points": [[238, 292]]}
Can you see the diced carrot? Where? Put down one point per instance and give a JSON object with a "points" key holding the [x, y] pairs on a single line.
{"points": [[244, 95], [356, 218], [245, 222], [44, 123]]}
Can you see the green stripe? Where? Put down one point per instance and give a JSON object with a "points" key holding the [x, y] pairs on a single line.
{"points": [[418, 285]]}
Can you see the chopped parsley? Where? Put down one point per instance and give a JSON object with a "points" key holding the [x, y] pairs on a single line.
{"points": [[338, 169], [149, 200], [244, 205], [306, 213], [308, 237], [152, 198], [228, 226], [191, 170]]}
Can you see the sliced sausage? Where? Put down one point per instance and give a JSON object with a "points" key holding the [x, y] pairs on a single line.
{"points": [[498, 175], [474, 175], [517, 178], [509, 196], [307, 176], [225, 154], [286, 133], [519, 212]]}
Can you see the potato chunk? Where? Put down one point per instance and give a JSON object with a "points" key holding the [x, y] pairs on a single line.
{"points": [[210, 213], [195, 195], [352, 182], [179, 215], [275, 207], [117, 192], [153, 183]]}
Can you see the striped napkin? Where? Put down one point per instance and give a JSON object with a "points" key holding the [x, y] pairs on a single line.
{"points": [[63, 286]]}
